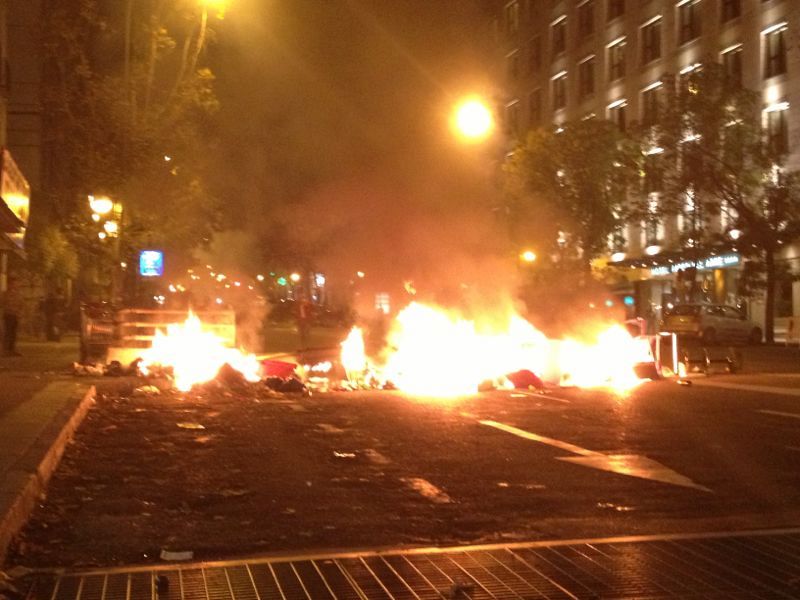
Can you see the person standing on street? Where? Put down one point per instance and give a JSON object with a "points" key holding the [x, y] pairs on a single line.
{"points": [[12, 307]]}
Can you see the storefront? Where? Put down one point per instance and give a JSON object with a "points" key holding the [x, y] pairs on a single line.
{"points": [[666, 280]]}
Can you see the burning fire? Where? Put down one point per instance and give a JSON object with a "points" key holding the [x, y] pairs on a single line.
{"points": [[195, 355], [431, 351]]}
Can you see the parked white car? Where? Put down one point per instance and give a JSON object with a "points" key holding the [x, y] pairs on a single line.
{"points": [[711, 323]]}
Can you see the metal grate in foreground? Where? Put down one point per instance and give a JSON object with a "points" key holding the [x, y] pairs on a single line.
{"points": [[711, 566]]}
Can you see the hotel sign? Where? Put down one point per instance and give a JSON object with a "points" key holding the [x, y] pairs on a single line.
{"points": [[720, 261]]}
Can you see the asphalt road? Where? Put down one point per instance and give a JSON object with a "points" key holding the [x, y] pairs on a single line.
{"points": [[368, 469], [572, 463]]}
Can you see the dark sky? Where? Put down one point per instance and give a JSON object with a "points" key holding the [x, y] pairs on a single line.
{"points": [[341, 107]]}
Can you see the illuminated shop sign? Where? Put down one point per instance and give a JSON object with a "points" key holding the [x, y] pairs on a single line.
{"points": [[720, 261], [151, 263]]}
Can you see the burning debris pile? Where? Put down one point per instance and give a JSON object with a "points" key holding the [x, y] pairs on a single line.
{"points": [[434, 352], [429, 351]]}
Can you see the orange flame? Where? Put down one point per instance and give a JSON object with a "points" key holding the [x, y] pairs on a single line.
{"points": [[435, 352], [195, 355]]}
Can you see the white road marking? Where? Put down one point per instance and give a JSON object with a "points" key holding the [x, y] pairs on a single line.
{"points": [[767, 389], [780, 414], [632, 465], [540, 438], [538, 395]]}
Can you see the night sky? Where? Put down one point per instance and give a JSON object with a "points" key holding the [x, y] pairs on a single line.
{"points": [[334, 121]]}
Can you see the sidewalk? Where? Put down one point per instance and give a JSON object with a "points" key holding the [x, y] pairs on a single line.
{"points": [[41, 405]]}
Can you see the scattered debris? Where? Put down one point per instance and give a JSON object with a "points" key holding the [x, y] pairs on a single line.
{"points": [[190, 425], [181, 555], [376, 457], [686, 382], [231, 378], [615, 507], [426, 489], [338, 454], [525, 379], [460, 590], [328, 428], [146, 390]]}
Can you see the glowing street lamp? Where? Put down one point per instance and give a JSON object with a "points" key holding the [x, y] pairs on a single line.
{"points": [[473, 120], [527, 256], [295, 277], [101, 205]]}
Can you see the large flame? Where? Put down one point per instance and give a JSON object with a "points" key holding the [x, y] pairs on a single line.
{"points": [[195, 355], [435, 352]]}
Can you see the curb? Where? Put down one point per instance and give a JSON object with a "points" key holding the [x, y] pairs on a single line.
{"points": [[30, 475]]}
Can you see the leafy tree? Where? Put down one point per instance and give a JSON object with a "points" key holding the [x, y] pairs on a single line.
{"points": [[126, 106], [724, 175], [572, 185]]}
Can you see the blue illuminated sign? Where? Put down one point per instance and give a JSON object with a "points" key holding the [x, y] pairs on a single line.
{"points": [[151, 263], [628, 300]]}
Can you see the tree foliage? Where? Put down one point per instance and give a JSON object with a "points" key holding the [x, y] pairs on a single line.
{"points": [[719, 162], [126, 106], [572, 183]]}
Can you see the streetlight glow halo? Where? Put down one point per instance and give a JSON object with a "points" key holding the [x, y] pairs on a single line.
{"points": [[473, 119]]}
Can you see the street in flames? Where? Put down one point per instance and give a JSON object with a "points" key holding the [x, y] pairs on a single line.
{"points": [[429, 351]]}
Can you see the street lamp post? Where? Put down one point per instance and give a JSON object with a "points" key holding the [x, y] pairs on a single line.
{"points": [[108, 214]]}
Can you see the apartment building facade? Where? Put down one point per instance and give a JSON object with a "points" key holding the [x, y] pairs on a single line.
{"points": [[565, 60]]}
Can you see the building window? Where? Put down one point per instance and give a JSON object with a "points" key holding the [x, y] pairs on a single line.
{"points": [[688, 21], [511, 17], [731, 9], [616, 8], [732, 64], [559, 36], [775, 51], [535, 108], [512, 66], [653, 173], [653, 227], [616, 114], [586, 18], [651, 41], [534, 55], [616, 61], [778, 129], [560, 91], [586, 77], [650, 105], [512, 117]]}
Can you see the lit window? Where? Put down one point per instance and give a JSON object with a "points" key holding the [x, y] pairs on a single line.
{"points": [[650, 98], [559, 33], [732, 64], [511, 17], [651, 41], [616, 114], [586, 77], [586, 18], [560, 92], [616, 61], [512, 117], [778, 129], [512, 66], [775, 51], [688, 21]]}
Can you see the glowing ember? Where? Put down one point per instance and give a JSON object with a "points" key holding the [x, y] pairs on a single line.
{"points": [[434, 352], [195, 355]]}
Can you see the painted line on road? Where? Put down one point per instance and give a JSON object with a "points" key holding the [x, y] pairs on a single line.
{"points": [[633, 465], [538, 395], [779, 413], [540, 438], [784, 391]]}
